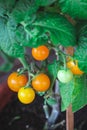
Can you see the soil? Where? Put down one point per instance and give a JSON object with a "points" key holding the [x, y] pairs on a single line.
{"points": [[31, 117], [24, 117]]}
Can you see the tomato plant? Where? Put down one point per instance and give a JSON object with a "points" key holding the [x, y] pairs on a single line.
{"points": [[41, 82], [40, 53], [47, 29], [26, 95], [73, 66], [16, 81], [65, 76]]}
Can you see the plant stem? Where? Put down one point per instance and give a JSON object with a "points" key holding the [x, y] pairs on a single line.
{"points": [[50, 123], [64, 58], [69, 119], [24, 62]]}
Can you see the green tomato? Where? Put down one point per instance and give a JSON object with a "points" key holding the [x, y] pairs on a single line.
{"points": [[65, 76]]}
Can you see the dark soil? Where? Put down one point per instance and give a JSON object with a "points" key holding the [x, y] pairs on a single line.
{"points": [[16, 116]]}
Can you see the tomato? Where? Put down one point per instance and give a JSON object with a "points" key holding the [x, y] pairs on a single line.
{"points": [[16, 81], [41, 82], [73, 66], [26, 95], [65, 76], [40, 53]]}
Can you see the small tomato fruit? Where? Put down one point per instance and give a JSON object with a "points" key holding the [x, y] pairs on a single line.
{"points": [[73, 66], [64, 76], [40, 53], [41, 82], [16, 81], [26, 95]]}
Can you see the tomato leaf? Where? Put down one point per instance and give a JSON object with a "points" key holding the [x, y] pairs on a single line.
{"points": [[8, 41], [31, 37], [81, 49], [45, 2], [79, 96], [24, 9], [53, 69], [74, 8], [66, 91], [74, 93], [56, 27], [6, 6], [7, 63]]}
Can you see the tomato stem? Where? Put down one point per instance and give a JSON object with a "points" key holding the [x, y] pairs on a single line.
{"points": [[64, 58], [26, 66], [24, 62], [50, 91]]}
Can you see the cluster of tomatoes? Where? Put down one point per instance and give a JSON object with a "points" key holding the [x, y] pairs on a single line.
{"points": [[26, 94], [40, 82]]}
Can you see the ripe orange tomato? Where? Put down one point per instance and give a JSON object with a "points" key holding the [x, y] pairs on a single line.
{"points": [[41, 82], [15, 81], [73, 66], [40, 53], [26, 95]]}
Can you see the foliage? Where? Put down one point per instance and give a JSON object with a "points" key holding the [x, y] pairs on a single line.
{"points": [[74, 93], [81, 49], [74, 8], [79, 94], [32, 23]]}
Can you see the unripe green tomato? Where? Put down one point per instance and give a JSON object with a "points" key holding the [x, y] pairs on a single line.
{"points": [[65, 76]]}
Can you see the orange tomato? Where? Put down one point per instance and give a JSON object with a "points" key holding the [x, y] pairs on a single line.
{"points": [[26, 95], [73, 66], [15, 81], [41, 82], [40, 53]]}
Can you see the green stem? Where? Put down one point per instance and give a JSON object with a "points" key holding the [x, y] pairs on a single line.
{"points": [[24, 62], [58, 51], [50, 91], [64, 59]]}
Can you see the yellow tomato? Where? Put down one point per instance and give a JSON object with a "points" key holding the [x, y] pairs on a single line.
{"points": [[26, 95]]}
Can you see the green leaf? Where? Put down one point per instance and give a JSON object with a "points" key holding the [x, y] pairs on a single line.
{"points": [[56, 27], [81, 55], [75, 8], [66, 91], [8, 41], [31, 37], [6, 6], [6, 67], [79, 96], [53, 69], [74, 93], [81, 49], [7, 63], [51, 101], [24, 9], [45, 2]]}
